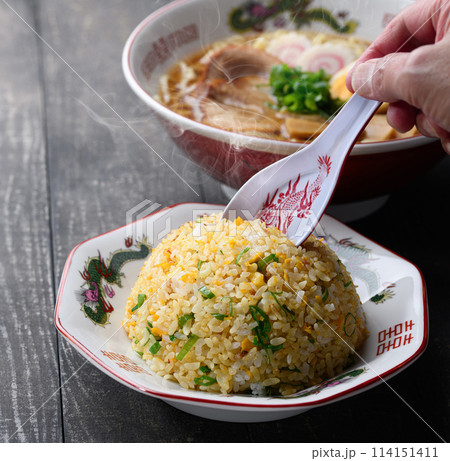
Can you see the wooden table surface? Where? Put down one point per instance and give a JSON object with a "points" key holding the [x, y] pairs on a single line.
{"points": [[70, 170]]}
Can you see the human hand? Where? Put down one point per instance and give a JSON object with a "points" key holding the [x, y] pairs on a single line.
{"points": [[408, 65]]}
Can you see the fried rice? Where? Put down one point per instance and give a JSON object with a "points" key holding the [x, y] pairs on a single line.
{"points": [[236, 307]]}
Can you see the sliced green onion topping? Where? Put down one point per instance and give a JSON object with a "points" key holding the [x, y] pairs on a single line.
{"points": [[265, 261], [206, 292], [348, 284], [288, 312], [325, 295], [205, 369], [274, 348], [199, 264], [155, 347], [349, 324], [231, 304], [141, 299], [239, 256], [172, 337], [185, 319], [263, 327], [187, 347], [303, 92], [140, 353], [261, 317], [219, 316], [205, 380]]}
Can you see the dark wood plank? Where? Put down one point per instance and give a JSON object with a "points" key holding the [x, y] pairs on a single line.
{"points": [[29, 395], [99, 169]]}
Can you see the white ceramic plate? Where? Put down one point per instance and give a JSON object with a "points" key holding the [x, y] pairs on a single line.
{"points": [[102, 270]]}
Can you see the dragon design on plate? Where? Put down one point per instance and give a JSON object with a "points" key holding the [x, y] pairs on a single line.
{"points": [[99, 275]]}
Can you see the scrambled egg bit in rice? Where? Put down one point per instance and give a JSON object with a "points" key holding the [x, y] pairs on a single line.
{"points": [[237, 307]]}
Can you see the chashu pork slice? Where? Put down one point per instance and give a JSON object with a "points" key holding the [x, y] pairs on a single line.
{"points": [[237, 119], [234, 61], [245, 92]]}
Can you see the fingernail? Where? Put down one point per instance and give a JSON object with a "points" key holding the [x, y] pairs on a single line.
{"points": [[362, 78]]}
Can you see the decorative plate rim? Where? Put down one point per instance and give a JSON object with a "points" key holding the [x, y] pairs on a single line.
{"points": [[378, 379]]}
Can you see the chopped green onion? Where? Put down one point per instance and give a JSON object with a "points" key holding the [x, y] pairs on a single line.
{"points": [[262, 337], [265, 261], [288, 312], [311, 340], [206, 292], [172, 337], [155, 347], [264, 323], [325, 295], [205, 380], [303, 92], [349, 325], [199, 264], [150, 326], [348, 284], [141, 299], [185, 319], [187, 347], [239, 256], [231, 304], [205, 369], [140, 353], [274, 348], [274, 296], [219, 316]]}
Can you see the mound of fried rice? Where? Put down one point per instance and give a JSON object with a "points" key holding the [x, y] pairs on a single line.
{"points": [[236, 307]]}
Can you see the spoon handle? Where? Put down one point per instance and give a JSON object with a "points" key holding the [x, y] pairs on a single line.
{"points": [[345, 128]]}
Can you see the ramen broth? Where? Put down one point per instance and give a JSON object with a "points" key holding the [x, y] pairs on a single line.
{"points": [[226, 84]]}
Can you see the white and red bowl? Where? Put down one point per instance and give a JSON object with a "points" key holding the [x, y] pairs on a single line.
{"points": [[89, 315], [184, 26]]}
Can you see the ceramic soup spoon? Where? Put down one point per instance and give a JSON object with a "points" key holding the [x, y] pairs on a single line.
{"points": [[293, 193]]}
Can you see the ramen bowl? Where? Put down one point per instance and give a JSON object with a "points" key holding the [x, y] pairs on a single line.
{"points": [[372, 170]]}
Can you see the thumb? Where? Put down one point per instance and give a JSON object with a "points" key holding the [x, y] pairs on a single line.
{"points": [[381, 79]]}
